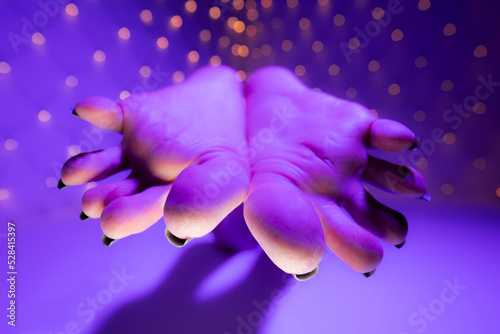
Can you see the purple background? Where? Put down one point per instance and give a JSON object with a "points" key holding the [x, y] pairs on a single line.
{"points": [[62, 264]]}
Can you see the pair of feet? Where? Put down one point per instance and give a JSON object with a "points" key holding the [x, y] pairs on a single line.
{"points": [[296, 158]]}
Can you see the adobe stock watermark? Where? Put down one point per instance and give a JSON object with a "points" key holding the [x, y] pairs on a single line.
{"points": [[425, 315], [454, 118], [363, 36], [249, 323], [48, 9], [88, 309], [223, 177], [95, 136]]}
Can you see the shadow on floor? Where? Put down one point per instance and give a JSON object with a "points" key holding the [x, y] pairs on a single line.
{"points": [[173, 308]]}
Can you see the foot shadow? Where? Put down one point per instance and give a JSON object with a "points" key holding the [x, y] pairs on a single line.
{"points": [[175, 308]]}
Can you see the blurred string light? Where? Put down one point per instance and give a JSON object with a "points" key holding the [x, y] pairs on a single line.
{"points": [[479, 163], [373, 66], [215, 61], [4, 194], [333, 70], [421, 62], [145, 71], [419, 116], [190, 6], [11, 144], [162, 42], [339, 20], [124, 94], [38, 38], [4, 67], [124, 33], [447, 189], [176, 22], [449, 29], [447, 86], [71, 9], [99, 56], [44, 116], [397, 35], [193, 56], [205, 35], [51, 182], [71, 81], [146, 16], [480, 51], [214, 12], [424, 5], [178, 77], [394, 89]]}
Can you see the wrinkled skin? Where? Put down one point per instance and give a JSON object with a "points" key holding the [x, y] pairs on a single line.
{"points": [[191, 148], [308, 155], [178, 141]]}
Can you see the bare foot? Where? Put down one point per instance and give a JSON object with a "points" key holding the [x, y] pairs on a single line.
{"points": [[308, 155], [179, 141]]}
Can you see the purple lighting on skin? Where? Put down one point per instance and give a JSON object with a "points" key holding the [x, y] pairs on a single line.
{"points": [[430, 65]]}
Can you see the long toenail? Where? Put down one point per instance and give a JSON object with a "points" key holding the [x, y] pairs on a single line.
{"points": [[107, 241], [177, 242], [83, 216], [60, 184], [370, 273], [305, 277]]}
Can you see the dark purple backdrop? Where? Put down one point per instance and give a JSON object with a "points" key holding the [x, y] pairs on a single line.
{"points": [[433, 66]]}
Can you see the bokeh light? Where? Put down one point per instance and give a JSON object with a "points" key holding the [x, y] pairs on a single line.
{"points": [[419, 116], [479, 163], [300, 70], [71, 81], [11, 144], [333, 69], [145, 71], [215, 60], [51, 182], [4, 67], [191, 6], [480, 51], [205, 35], [424, 5], [479, 108], [99, 56], [338, 20], [286, 45], [447, 86], [71, 9], [447, 189], [124, 33], [44, 116], [146, 16], [394, 89], [351, 92], [373, 66], [38, 38], [214, 12], [178, 77], [449, 29], [304, 23], [397, 35], [162, 42], [421, 62], [317, 46], [193, 56], [4, 194], [176, 22], [449, 138]]}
